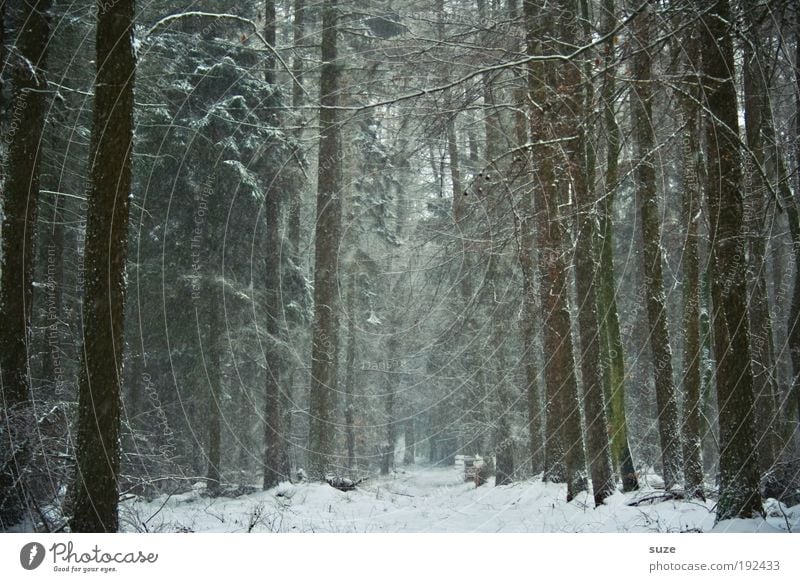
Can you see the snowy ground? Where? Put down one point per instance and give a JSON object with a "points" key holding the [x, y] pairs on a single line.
{"points": [[434, 499]]}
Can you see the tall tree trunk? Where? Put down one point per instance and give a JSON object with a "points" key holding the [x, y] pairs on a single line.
{"points": [[350, 379], [501, 439], [738, 490], [755, 215], [106, 250], [212, 363], [20, 204], [692, 349], [394, 374], [295, 206], [2, 62], [597, 443], [325, 335], [775, 169], [611, 344], [527, 246], [794, 224], [644, 135], [564, 458], [276, 460]]}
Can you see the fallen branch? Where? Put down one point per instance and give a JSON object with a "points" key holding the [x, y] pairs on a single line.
{"points": [[342, 483], [657, 498]]}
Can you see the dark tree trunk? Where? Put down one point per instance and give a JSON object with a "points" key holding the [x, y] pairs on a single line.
{"points": [[794, 224], [20, 204], [3, 65], [611, 342], [755, 215], [738, 489], [692, 349], [325, 340], [270, 35], [644, 135], [106, 249], [52, 365], [390, 381], [597, 443], [295, 206]]}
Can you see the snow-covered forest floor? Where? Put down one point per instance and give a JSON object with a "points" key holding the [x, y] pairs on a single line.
{"points": [[435, 499]]}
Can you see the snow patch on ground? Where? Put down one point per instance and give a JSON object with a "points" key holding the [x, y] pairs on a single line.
{"points": [[435, 499]]}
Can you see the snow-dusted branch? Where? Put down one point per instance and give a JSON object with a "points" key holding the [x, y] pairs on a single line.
{"points": [[167, 20], [501, 67]]}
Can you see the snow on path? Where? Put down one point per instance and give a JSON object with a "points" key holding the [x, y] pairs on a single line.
{"points": [[432, 499]]}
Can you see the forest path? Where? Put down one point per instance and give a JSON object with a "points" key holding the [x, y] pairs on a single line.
{"points": [[428, 498]]}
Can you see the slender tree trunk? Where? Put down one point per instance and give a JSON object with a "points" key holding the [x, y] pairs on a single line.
{"points": [[612, 352], [110, 165], [212, 364], [455, 168], [597, 443], [527, 246], [295, 206], [503, 441], [410, 434], [692, 349], [794, 225], [493, 166], [520, 166], [390, 386], [271, 36], [739, 495], [644, 135], [2, 63], [52, 370], [394, 375], [20, 206], [325, 335], [276, 459]]}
